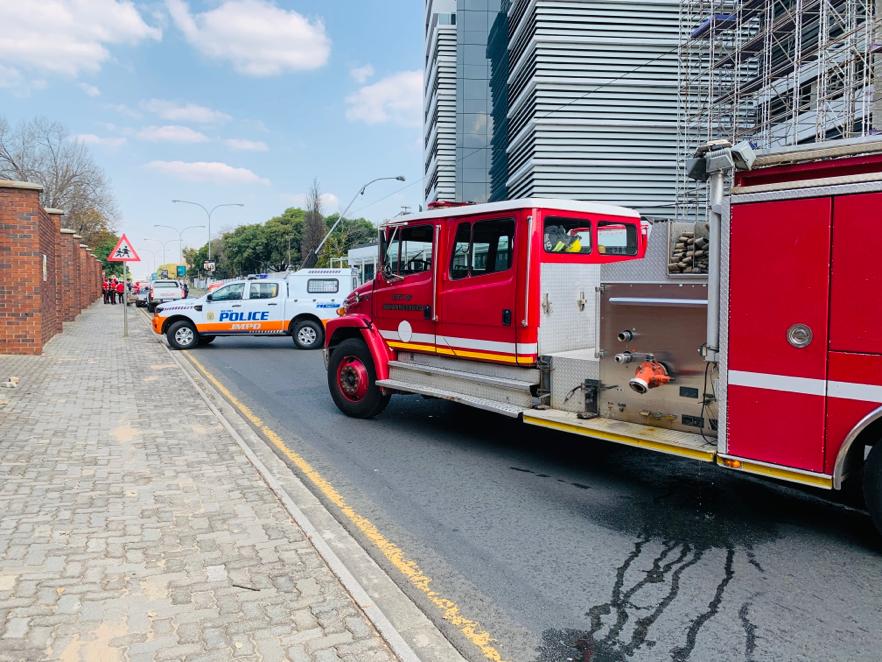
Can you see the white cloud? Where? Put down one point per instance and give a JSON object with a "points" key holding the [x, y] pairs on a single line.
{"points": [[171, 133], [212, 172], [92, 139], [184, 112], [68, 36], [256, 36], [396, 98], [243, 145], [330, 202], [361, 74], [90, 90], [123, 109]]}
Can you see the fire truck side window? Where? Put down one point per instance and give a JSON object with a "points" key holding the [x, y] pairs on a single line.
{"points": [[616, 238], [567, 235], [482, 248], [410, 252]]}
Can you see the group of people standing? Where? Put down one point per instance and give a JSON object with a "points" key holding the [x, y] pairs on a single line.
{"points": [[113, 290]]}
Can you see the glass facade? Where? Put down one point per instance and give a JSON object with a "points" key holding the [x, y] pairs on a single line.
{"points": [[480, 110]]}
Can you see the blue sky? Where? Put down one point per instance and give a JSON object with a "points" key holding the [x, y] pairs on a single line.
{"points": [[225, 101]]}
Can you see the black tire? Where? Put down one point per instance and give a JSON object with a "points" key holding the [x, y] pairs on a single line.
{"points": [[308, 334], [873, 485], [182, 335], [206, 340], [358, 403], [150, 307]]}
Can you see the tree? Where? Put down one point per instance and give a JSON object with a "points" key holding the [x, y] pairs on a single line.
{"points": [[314, 226], [102, 243], [41, 151]]}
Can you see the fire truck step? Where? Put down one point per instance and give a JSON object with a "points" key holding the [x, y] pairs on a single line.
{"points": [[504, 408], [672, 442], [488, 380]]}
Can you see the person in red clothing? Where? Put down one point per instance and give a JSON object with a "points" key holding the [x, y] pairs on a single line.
{"points": [[113, 282], [120, 287], [105, 287]]}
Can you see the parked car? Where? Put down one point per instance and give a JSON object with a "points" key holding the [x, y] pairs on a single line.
{"points": [[298, 305], [141, 296], [162, 291]]}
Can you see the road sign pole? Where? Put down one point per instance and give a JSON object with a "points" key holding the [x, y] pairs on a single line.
{"points": [[125, 300]]}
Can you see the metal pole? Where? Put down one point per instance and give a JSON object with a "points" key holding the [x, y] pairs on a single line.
{"points": [[125, 300], [715, 184]]}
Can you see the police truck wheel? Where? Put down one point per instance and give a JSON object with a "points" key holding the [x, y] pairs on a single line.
{"points": [[206, 340], [308, 334], [873, 485], [352, 380], [182, 335]]}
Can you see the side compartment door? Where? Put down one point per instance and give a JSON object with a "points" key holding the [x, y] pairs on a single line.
{"points": [[779, 287], [477, 292], [263, 308], [403, 295]]}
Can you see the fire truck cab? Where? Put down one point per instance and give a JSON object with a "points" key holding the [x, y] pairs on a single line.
{"points": [[572, 316]]}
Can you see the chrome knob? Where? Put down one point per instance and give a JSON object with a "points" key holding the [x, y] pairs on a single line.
{"points": [[799, 335]]}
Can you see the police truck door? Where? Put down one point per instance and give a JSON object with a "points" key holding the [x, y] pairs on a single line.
{"points": [[264, 308]]}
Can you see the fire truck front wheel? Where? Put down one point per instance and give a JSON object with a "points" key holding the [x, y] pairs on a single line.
{"points": [[873, 485], [352, 380]]}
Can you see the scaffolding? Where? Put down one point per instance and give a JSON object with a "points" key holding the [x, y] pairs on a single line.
{"points": [[775, 72]]}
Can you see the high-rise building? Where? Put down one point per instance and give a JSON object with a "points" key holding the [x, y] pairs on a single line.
{"points": [[439, 105], [592, 101]]}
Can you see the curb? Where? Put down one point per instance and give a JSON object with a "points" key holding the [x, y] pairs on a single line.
{"points": [[421, 630]]}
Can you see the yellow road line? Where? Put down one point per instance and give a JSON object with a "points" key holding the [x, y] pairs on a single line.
{"points": [[451, 612]]}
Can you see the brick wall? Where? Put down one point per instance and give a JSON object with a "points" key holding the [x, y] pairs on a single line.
{"points": [[21, 325], [46, 274]]}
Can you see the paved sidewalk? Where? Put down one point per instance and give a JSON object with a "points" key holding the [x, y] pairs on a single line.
{"points": [[133, 527]]}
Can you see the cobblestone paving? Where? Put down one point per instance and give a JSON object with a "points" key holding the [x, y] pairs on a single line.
{"points": [[133, 527]]}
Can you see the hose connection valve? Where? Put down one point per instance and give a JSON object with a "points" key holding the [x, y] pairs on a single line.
{"points": [[649, 375]]}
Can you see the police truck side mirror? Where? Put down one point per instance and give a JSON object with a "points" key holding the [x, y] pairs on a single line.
{"points": [[208, 297]]}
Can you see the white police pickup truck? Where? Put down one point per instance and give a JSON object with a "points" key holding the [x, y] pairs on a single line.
{"points": [[296, 305]]}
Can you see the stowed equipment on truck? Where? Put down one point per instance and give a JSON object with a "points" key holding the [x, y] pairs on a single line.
{"points": [[751, 339]]}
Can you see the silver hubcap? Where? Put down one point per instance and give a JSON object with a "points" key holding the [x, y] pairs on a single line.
{"points": [[184, 336], [307, 335]]}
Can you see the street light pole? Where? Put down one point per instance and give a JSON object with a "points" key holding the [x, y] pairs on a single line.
{"points": [[312, 258], [208, 214], [161, 244], [180, 237]]}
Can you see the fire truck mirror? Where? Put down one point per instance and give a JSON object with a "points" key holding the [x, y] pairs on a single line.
{"points": [[688, 249]]}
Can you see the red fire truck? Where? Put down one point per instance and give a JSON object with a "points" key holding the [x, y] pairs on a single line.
{"points": [[751, 340]]}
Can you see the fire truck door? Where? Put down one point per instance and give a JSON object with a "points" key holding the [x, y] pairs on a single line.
{"points": [[779, 285], [476, 299], [403, 290]]}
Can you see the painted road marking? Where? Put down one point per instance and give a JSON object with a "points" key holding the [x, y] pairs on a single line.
{"points": [[450, 611]]}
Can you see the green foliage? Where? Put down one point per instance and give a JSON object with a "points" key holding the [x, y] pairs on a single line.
{"points": [[102, 243], [275, 245]]}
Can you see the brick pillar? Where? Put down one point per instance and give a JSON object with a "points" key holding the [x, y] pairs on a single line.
{"points": [[78, 272], [57, 275], [84, 282], [68, 274], [21, 266]]}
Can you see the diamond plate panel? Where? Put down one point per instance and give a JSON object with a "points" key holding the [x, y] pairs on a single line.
{"points": [[568, 371], [565, 324]]}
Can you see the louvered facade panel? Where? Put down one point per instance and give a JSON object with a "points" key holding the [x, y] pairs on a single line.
{"points": [[592, 105], [439, 94]]}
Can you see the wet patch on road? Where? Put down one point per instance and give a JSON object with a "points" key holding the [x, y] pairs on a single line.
{"points": [[690, 524], [581, 486]]}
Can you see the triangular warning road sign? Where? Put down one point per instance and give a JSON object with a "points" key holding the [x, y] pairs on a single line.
{"points": [[123, 252]]}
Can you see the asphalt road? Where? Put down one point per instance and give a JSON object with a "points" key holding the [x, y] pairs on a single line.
{"points": [[563, 548]]}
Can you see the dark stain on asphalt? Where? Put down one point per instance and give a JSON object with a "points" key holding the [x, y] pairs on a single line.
{"points": [[581, 486], [681, 526]]}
